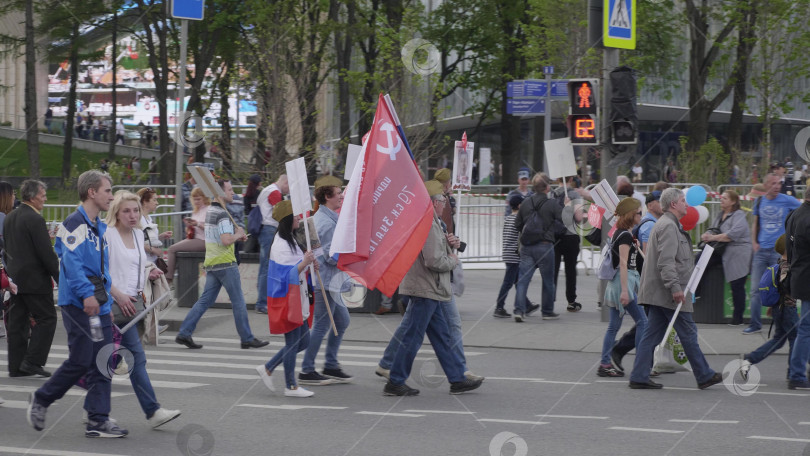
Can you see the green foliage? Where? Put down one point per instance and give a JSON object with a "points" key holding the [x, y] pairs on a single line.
{"points": [[710, 164], [14, 162]]}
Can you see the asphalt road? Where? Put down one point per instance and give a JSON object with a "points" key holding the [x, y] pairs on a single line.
{"points": [[534, 402]]}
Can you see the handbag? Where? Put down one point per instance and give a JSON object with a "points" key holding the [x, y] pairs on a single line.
{"points": [[606, 269], [4, 282], [99, 290], [119, 318], [719, 247], [159, 261]]}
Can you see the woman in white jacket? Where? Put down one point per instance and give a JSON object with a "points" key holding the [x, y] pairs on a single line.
{"points": [[127, 271]]}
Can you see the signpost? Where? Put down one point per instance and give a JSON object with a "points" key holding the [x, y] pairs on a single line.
{"points": [[184, 10], [619, 24]]}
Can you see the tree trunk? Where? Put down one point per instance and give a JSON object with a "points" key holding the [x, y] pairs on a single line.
{"points": [[343, 55], [745, 45], [67, 147], [32, 130], [225, 141]]}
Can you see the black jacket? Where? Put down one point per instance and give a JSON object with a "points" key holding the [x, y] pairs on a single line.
{"points": [[549, 212], [797, 246], [30, 257]]}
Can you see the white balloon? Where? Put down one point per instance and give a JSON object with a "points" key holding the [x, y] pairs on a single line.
{"points": [[703, 214]]}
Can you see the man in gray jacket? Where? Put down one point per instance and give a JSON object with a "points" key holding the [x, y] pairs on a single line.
{"points": [[667, 269], [428, 286]]}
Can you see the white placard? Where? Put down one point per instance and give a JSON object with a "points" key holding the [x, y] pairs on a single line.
{"points": [[205, 180], [299, 186], [484, 165], [604, 197], [462, 166], [351, 158], [700, 267], [560, 158]]}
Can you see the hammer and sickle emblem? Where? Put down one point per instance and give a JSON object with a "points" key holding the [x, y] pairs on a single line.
{"points": [[391, 150]]}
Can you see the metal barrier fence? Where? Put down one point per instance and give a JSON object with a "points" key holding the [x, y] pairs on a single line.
{"points": [[479, 217]]}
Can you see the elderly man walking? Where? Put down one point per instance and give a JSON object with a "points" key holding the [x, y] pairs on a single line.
{"points": [[32, 263], [667, 269]]}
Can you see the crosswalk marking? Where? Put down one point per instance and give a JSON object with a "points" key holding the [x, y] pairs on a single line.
{"points": [[294, 407], [76, 391], [404, 415], [38, 451]]}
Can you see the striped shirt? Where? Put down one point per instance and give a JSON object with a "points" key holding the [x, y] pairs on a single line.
{"points": [[510, 240]]}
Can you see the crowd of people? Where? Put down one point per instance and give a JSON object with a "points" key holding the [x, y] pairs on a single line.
{"points": [[108, 270]]}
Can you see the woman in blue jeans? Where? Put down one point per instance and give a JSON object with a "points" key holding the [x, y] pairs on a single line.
{"points": [[288, 300], [127, 271], [621, 294]]}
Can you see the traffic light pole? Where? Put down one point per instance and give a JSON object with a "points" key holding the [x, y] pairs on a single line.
{"points": [[610, 60]]}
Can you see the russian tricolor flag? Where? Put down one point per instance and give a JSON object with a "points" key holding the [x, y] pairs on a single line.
{"points": [[386, 213], [287, 297]]}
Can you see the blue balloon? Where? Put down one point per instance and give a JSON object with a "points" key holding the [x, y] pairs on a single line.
{"points": [[695, 196]]}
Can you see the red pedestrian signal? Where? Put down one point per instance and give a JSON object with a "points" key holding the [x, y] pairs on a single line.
{"points": [[582, 95]]}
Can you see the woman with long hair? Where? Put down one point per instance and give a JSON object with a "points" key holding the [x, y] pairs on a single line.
{"points": [[252, 192], [733, 231], [621, 293], [195, 226], [128, 274], [154, 241], [287, 295]]}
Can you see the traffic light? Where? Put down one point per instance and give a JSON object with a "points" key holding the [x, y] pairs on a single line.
{"points": [[624, 132], [623, 112], [583, 129], [583, 121]]}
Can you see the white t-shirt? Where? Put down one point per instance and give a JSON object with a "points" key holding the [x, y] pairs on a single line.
{"points": [[124, 262]]}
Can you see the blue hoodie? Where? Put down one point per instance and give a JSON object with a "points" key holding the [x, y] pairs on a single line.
{"points": [[77, 245]]}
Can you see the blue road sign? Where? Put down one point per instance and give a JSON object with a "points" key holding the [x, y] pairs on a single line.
{"points": [[526, 106], [559, 88], [536, 88], [548, 70], [188, 9], [619, 24]]}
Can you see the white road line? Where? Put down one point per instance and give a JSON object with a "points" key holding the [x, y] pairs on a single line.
{"points": [[293, 407], [496, 420], [15, 450], [560, 382], [804, 423], [449, 412], [188, 373], [782, 394], [784, 439], [575, 417], [519, 379], [14, 404], [166, 340], [76, 391], [162, 384], [706, 421], [664, 431], [177, 362], [406, 415]]}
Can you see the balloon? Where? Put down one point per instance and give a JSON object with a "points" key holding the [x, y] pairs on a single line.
{"points": [[690, 219], [695, 196], [703, 214]]}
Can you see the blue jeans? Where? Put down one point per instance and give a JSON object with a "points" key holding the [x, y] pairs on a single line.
{"points": [[427, 318], [510, 277], [320, 326], [785, 319], [396, 339], [615, 323], [265, 241], [131, 340], [453, 318], [81, 360], [657, 321], [295, 341], [214, 281], [801, 348], [762, 259], [538, 256]]}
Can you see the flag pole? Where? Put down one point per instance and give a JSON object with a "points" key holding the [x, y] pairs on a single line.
{"points": [[314, 272]]}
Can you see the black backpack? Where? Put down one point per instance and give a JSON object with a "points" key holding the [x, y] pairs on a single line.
{"points": [[534, 229]]}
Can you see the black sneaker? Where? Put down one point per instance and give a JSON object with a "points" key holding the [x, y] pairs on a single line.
{"points": [[798, 384], [36, 413], [107, 429], [313, 378], [551, 316], [255, 343], [573, 307], [609, 371], [399, 390], [338, 375], [716, 378], [531, 308], [518, 317], [648, 385], [616, 359], [187, 341], [466, 385], [501, 313]]}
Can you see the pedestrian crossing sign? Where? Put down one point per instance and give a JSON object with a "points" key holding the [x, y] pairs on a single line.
{"points": [[619, 26]]}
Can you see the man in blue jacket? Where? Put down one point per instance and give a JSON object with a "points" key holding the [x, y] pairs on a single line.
{"points": [[83, 254]]}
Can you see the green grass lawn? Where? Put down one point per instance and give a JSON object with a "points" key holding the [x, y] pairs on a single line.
{"points": [[14, 159]]}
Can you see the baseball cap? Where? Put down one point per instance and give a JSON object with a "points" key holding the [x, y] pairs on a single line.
{"points": [[523, 173], [653, 196], [515, 200]]}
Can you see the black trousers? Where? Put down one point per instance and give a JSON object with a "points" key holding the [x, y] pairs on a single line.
{"points": [[35, 348], [567, 248]]}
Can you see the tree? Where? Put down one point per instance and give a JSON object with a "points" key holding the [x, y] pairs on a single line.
{"points": [[31, 119], [746, 40]]}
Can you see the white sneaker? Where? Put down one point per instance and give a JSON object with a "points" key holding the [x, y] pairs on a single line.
{"points": [[268, 382], [122, 368], [470, 375], [85, 420], [745, 366], [162, 416], [298, 392], [385, 373]]}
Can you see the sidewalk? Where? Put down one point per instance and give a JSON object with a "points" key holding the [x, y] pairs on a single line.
{"points": [[581, 331]]}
